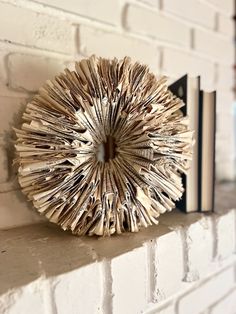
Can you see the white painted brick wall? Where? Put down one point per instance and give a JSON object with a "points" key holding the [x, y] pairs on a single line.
{"points": [[156, 25], [200, 299], [226, 304], [93, 40], [213, 45], [69, 295], [22, 66], [128, 272], [168, 281], [46, 270], [192, 10], [35, 30]]}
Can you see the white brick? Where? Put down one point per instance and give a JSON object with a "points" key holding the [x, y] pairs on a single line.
{"points": [[199, 249], [79, 291], [24, 300], [226, 25], [226, 305], [102, 10], [16, 211], [225, 101], [29, 72], [169, 271], [214, 46], [129, 275], [226, 6], [225, 124], [157, 26], [35, 29], [109, 45], [202, 297], [225, 169], [192, 10], [221, 138], [226, 234], [5, 48], [225, 77], [11, 109], [173, 61]]}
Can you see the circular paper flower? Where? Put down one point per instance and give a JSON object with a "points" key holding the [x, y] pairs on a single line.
{"points": [[102, 148]]}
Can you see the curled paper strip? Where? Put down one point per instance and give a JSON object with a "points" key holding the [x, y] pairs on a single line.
{"points": [[101, 148]]}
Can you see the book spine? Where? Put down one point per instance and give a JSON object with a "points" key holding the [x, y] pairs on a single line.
{"points": [[214, 154], [200, 120]]}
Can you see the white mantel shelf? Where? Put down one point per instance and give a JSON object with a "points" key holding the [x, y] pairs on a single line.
{"points": [[161, 269]]}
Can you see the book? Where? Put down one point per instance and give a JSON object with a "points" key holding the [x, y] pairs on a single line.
{"points": [[188, 90], [207, 127]]}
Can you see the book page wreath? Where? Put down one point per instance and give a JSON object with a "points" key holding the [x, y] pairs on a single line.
{"points": [[102, 148]]}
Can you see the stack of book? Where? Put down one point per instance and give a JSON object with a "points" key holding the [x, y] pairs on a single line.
{"points": [[199, 182]]}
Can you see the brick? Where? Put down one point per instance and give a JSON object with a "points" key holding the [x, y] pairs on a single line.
{"points": [[168, 275], [226, 234], [109, 45], [226, 6], [221, 154], [226, 25], [225, 169], [199, 249], [224, 102], [129, 275], [24, 299], [226, 305], [16, 211], [225, 124], [173, 61], [192, 10], [102, 10], [157, 26], [11, 110], [35, 29], [29, 72], [219, 48], [202, 297], [79, 290], [225, 77]]}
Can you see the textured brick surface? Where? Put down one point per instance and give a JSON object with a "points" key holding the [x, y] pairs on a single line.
{"points": [[225, 25], [212, 45], [168, 281], [93, 40], [156, 25], [70, 296], [199, 299], [226, 305], [35, 29], [192, 10], [103, 10], [29, 72], [128, 272]]}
